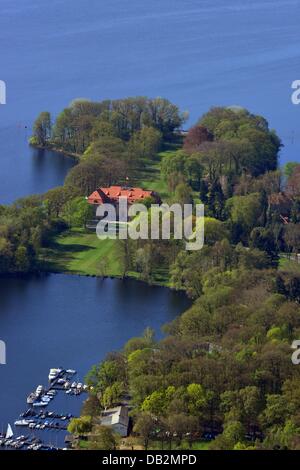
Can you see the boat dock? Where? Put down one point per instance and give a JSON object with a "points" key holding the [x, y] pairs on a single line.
{"points": [[38, 418]]}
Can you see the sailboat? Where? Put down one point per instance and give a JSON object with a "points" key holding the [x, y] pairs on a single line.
{"points": [[9, 432]]}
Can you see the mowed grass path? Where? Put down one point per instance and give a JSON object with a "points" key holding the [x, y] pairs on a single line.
{"points": [[81, 252], [150, 176]]}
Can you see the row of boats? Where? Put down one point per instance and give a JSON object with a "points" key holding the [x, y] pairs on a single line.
{"points": [[33, 424], [31, 413], [24, 442], [60, 380]]}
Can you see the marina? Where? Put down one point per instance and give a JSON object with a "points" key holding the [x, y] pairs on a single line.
{"points": [[37, 418], [81, 311]]}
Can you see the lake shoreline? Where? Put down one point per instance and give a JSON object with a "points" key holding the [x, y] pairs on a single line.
{"points": [[112, 277], [51, 147], [39, 274]]}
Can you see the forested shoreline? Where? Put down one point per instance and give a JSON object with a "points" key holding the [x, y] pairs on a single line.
{"points": [[223, 372]]}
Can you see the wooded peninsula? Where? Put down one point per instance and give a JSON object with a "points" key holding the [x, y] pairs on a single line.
{"points": [[222, 377]]}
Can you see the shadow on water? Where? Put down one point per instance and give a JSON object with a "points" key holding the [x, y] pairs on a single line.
{"points": [[26, 170]]}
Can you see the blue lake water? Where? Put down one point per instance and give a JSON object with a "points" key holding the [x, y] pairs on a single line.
{"points": [[73, 322], [196, 53]]}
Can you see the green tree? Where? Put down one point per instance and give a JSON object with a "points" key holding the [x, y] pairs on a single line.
{"points": [[193, 170], [245, 211], [42, 129], [289, 168], [143, 262], [216, 200], [155, 403], [275, 412], [78, 212], [22, 260], [106, 374], [183, 194], [197, 398], [85, 177], [56, 199], [233, 434], [180, 424], [80, 425], [103, 439], [145, 143], [145, 426], [112, 395], [6, 255]]}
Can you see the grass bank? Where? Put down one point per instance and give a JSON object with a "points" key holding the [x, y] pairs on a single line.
{"points": [[78, 251], [149, 177]]}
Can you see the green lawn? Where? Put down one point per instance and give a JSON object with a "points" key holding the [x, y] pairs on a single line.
{"points": [[78, 251], [149, 177], [288, 265], [81, 252]]}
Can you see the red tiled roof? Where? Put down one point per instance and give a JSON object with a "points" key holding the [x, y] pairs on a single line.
{"points": [[113, 193]]}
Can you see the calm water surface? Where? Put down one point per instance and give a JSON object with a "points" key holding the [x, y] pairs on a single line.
{"points": [[196, 53], [73, 322]]}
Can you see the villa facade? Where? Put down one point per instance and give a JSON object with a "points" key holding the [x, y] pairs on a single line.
{"points": [[112, 195]]}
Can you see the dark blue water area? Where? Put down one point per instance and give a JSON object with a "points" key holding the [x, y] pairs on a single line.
{"points": [[196, 53], [25, 170], [73, 322]]}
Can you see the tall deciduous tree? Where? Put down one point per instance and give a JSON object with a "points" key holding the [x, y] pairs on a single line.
{"points": [[42, 129], [195, 138]]}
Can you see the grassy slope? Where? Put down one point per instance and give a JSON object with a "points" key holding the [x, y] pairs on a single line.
{"points": [[80, 252], [150, 177], [288, 265]]}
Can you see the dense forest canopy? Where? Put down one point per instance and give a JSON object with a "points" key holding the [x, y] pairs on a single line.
{"points": [[85, 121], [224, 368]]}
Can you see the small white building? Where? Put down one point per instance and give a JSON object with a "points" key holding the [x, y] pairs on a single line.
{"points": [[117, 419]]}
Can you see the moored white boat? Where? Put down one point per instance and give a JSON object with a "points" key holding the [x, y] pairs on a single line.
{"points": [[54, 373], [9, 432], [23, 422], [31, 398], [39, 390]]}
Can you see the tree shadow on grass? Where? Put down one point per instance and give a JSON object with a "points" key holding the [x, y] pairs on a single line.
{"points": [[57, 256], [70, 248]]}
